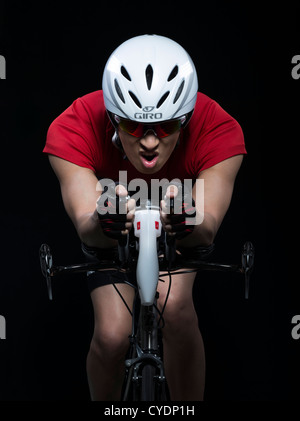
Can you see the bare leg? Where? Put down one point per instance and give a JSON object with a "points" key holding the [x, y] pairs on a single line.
{"points": [[105, 360], [183, 346]]}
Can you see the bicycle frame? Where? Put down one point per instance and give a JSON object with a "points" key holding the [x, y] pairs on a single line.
{"points": [[144, 365]]}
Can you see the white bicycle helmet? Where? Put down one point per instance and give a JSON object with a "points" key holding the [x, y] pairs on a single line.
{"points": [[150, 78]]}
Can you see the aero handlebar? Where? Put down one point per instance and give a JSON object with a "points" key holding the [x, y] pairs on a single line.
{"points": [[141, 255], [147, 228]]}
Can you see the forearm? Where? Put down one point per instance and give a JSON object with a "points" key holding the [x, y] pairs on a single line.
{"points": [[202, 235], [90, 232]]}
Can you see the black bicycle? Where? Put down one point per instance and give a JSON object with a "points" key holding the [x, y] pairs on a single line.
{"points": [[152, 256]]}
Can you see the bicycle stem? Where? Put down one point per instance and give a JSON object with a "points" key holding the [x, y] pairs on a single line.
{"points": [[148, 324]]}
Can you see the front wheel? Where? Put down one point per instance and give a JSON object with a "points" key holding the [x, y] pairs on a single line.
{"points": [[152, 387], [148, 383]]}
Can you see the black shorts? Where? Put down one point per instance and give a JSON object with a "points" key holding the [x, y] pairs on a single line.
{"points": [[97, 279], [100, 278]]}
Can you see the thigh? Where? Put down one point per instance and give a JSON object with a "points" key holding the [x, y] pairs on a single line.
{"points": [[181, 292], [179, 314], [110, 312]]}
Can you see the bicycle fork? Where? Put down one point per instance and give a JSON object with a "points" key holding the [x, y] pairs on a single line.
{"points": [[146, 358]]}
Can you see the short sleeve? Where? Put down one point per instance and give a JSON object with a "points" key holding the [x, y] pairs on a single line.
{"points": [[71, 136], [216, 136]]}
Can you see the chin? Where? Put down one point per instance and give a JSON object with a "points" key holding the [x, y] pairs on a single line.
{"points": [[143, 170]]}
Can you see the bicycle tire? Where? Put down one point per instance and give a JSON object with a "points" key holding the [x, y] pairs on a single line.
{"points": [[148, 383]]}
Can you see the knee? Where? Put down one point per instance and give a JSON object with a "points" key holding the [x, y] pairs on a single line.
{"points": [[180, 318], [110, 343]]}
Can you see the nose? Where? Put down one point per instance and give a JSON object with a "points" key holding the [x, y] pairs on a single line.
{"points": [[150, 141]]}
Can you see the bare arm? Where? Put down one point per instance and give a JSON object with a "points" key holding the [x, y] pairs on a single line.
{"points": [[218, 187], [78, 189]]}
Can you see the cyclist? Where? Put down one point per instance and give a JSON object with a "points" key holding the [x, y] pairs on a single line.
{"points": [[150, 121]]}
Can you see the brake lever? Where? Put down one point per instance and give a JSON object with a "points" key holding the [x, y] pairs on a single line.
{"points": [[170, 241], [247, 264], [123, 242], [46, 262]]}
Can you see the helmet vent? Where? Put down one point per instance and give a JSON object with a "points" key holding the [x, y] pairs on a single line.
{"points": [[125, 73], [119, 92], [149, 76], [178, 93], [173, 73], [162, 99], [135, 100]]}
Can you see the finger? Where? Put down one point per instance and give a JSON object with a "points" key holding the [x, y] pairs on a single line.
{"points": [[165, 219], [166, 206], [121, 190], [128, 225], [131, 205], [168, 228], [130, 218], [172, 191], [163, 206]]}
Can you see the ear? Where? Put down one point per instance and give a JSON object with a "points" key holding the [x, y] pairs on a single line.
{"points": [[178, 141], [117, 143]]}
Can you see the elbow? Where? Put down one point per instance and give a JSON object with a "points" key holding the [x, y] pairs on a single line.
{"points": [[206, 237], [206, 231]]}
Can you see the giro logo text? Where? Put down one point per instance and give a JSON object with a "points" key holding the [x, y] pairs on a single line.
{"points": [[147, 116], [296, 69], [2, 67], [2, 327]]}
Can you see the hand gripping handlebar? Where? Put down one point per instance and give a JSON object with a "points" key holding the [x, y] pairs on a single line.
{"points": [[147, 229]]}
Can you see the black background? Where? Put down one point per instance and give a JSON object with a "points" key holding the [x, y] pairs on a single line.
{"points": [[56, 53]]}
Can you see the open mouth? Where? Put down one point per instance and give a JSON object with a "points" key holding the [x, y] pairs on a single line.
{"points": [[149, 160], [149, 157]]}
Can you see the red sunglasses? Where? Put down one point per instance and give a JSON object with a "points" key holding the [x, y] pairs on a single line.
{"points": [[136, 129]]}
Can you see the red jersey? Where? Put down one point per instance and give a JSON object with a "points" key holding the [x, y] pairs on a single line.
{"points": [[82, 134]]}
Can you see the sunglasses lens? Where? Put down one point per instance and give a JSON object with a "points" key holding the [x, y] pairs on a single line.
{"points": [[131, 127], [164, 129], [167, 128]]}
